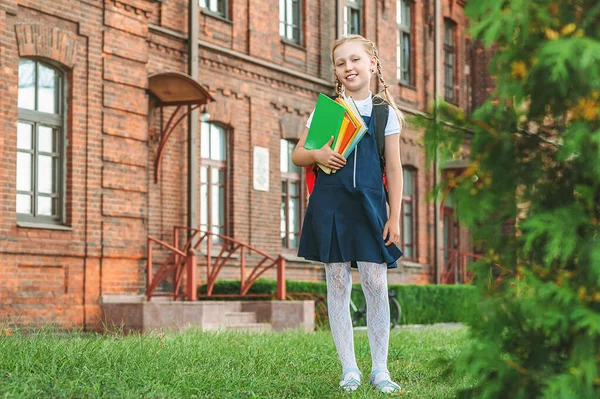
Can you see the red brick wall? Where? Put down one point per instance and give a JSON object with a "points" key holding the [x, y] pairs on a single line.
{"points": [[264, 90]]}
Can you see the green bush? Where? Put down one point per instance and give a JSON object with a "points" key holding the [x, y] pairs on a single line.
{"points": [[421, 304], [428, 304]]}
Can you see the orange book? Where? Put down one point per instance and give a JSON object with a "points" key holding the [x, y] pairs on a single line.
{"points": [[347, 138], [346, 128], [350, 132], [359, 133]]}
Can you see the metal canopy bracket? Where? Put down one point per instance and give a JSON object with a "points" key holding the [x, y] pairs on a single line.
{"points": [[175, 89]]}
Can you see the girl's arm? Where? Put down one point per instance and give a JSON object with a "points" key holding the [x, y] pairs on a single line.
{"points": [[325, 155], [391, 231]]}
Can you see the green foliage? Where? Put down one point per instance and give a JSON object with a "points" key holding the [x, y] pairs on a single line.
{"points": [[531, 193], [421, 304]]}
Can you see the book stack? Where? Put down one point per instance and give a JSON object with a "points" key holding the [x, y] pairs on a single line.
{"points": [[338, 118]]}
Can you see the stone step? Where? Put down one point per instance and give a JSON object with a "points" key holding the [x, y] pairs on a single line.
{"points": [[233, 318], [250, 327], [214, 311], [255, 327]]}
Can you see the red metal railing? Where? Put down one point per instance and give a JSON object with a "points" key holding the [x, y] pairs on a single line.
{"points": [[183, 261], [454, 269]]}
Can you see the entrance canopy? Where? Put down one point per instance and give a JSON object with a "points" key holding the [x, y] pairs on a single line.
{"points": [[178, 89]]}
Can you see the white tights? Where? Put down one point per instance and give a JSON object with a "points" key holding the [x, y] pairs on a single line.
{"points": [[373, 279]]}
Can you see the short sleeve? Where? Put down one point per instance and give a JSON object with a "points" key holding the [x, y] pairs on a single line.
{"points": [[393, 125], [310, 119]]}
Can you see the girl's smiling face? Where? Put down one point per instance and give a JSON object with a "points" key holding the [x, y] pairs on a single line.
{"points": [[353, 66]]}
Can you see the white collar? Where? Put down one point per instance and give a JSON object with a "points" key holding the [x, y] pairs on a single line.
{"points": [[368, 98]]}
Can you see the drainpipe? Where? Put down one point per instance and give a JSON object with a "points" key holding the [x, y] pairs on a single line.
{"points": [[192, 194], [436, 78]]}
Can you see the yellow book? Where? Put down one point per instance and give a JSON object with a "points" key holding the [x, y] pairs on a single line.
{"points": [[358, 134], [353, 125], [358, 122]]}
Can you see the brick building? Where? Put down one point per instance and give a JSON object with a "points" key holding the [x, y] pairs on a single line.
{"points": [[80, 132]]}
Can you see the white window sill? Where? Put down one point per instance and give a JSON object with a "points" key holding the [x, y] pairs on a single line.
{"points": [[412, 265], [290, 257], [44, 226]]}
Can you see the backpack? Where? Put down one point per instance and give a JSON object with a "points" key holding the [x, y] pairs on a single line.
{"points": [[380, 113]]}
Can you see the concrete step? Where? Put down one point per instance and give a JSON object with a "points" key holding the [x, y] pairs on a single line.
{"points": [[254, 327], [250, 327], [214, 311], [233, 318]]}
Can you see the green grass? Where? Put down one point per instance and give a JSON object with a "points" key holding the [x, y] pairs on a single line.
{"points": [[223, 364]]}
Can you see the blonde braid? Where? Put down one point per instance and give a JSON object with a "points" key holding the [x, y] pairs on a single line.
{"points": [[338, 87], [387, 96]]}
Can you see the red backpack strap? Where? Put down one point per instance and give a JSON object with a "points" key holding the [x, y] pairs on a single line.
{"points": [[311, 178]]}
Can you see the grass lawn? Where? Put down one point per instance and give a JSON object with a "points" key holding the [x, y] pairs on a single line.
{"points": [[217, 365]]}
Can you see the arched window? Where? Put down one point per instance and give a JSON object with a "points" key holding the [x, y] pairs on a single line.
{"points": [[41, 174], [213, 179]]}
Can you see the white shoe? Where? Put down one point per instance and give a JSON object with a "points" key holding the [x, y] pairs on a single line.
{"points": [[350, 380], [385, 385]]}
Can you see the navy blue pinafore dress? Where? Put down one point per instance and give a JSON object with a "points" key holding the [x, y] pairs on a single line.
{"points": [[346, 212]]}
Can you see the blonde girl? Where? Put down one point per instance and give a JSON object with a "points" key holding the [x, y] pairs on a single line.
{"points": [[347, 224]]}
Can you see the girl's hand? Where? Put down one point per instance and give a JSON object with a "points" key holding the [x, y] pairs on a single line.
{"points": [[391, 233], [329, 158]]}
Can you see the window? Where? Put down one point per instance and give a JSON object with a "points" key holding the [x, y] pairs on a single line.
{"points": [[449, 60], [289, 20], [352, 17], [403, 45], [41, 174], [218, 7], [213, 179], [291, 197], [409, 207]]}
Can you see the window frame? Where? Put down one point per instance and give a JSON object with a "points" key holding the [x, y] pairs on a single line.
{"points": [[220, 165], [285, 23], [210, 11], [450, 68], [414, 215], [288, 178], [56, 122], [357, 6], [405, 30]]}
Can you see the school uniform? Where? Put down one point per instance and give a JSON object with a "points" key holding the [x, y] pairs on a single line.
{"points": [[347, 211]]}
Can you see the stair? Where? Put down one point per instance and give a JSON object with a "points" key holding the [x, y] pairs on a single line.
{"points": [[135, 313], [229, 315], [251, 327], [236, 318]]}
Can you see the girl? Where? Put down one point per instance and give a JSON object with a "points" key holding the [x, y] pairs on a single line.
{"points": [[346, 223]]}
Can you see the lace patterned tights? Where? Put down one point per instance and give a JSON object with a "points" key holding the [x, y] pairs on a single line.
{"points": [[373, 278]]}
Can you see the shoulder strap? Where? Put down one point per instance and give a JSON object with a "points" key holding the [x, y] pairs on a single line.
{"points": [[381, 111]]}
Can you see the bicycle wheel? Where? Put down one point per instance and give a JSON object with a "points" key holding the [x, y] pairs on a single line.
{"points": [[358, 317], [395, 312]]}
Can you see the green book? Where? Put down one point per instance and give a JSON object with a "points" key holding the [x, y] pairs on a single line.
{"points": [[326, 122]]}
